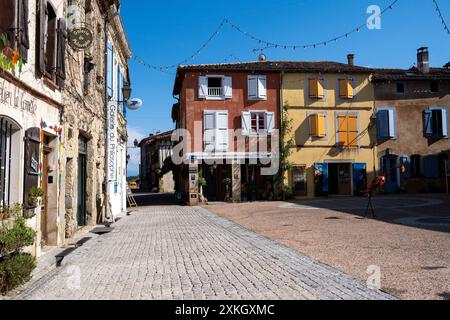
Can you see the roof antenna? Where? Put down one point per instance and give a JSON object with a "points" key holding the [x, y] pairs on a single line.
{"points": [[262, 57]]}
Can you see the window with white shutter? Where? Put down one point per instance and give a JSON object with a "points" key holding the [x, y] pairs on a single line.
{"points": [[216, 131], [436, 123], [258, 122], [257, 88]]}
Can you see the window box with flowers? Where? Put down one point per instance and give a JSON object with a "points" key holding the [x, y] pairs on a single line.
{"points": [[10, 59]]}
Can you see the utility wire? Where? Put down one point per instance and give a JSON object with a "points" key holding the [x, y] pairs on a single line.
{"points": [[268, 44], [439, 12]]}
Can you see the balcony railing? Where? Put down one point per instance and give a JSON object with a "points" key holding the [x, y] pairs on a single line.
{"points": [[215, 92]]}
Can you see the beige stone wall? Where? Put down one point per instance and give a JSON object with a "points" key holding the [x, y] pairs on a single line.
{"points": [[84, 116]]}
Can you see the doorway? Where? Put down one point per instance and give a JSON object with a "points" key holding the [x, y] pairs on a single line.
{"points": [[44, 210], [389, 164], [340, 179], [82, 182]]}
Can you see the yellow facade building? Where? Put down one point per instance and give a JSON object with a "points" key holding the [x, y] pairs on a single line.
{"points": [[331, 109]]}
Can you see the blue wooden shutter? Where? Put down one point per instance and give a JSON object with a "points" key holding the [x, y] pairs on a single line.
{"points": [[427, 122], [383, 124], [110, 70], [119, 89]]}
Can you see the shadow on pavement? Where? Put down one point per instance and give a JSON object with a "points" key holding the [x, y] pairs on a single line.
{"points": [[155, 199]]}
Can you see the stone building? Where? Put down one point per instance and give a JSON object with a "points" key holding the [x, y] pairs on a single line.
{"points": [[154, 152], [84, 119], [412, 113], [93, 81]]}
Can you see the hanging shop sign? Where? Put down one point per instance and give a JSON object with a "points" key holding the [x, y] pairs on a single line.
{"points": [[81, 37]]}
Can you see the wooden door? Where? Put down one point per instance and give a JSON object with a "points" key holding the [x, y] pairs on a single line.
{"points": [[344, 179]]}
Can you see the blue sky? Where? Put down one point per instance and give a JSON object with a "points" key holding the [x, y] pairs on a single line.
{"points": [[164, 33]]}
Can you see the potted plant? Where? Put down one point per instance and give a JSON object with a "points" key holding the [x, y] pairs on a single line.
{"points": [[35, 197]]}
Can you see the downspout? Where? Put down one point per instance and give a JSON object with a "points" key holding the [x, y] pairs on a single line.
{"points": [[105, 75], [281, 118]]}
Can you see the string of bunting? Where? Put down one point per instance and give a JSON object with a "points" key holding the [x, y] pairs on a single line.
{"points": [[441, 16], [268, 44]]}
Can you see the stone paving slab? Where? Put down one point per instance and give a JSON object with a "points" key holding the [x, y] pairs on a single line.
{"points": [[171, 252]]}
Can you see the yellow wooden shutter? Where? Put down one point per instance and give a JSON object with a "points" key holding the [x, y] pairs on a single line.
{"points": [[346, 88], [350, 89], [353, 131], [343, 88], [314, 125], [342, 130], [321, 128], [316, 90], [313, 88]]}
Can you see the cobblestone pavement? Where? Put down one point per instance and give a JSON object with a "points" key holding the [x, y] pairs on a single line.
{"points": [[170, 252]]}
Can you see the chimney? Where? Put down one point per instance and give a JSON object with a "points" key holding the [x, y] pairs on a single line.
{"points": [[351, 59], [423, 60]]}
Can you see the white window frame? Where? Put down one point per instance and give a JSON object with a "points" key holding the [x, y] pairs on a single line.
{"points": [[216, 129], [223, 87], [442, 109], [259, 95]]}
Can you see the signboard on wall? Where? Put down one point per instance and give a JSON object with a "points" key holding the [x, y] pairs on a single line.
{"points": [[112, 141], [15, 98]]}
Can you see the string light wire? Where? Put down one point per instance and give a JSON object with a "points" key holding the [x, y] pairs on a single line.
{"points": [[441, 16]]}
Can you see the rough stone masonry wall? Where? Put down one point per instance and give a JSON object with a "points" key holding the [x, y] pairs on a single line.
{"points": [[84, 116]]}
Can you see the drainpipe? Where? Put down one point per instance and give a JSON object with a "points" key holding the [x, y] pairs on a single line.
{"points": [[281, 143], [105, 75]]}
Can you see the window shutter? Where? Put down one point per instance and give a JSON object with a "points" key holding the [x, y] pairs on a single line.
{"points": [[262, 87], [383, 124], [314, 127], [227, 87], [110, 73], [270, 122], [24, 39], [392, 124], [353, 132], [202, 87], [246, 123], [209, 130], [252, 87], [343, 88], [61, 53], [313, 88], [445, 123], [222, 131], [40, 37], [8, 19], [32, 155], [119, 89], [342, 131], [321, 128], [427, 120]]}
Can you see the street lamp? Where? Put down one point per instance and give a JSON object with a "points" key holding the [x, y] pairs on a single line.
{"points": [[126, 92]]}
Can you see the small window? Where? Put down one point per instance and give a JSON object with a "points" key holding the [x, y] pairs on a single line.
{"points": [[318, 125], [346, 88], [316, 88], [51, 42], [258, 122], [434, 86], [386, 124], [257, 88], [215, 82], [400, 87], [436, 123], [348, 131]]}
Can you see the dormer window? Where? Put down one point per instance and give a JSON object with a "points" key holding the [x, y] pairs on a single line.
{"points": [[215, 88], [400, 87]]}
